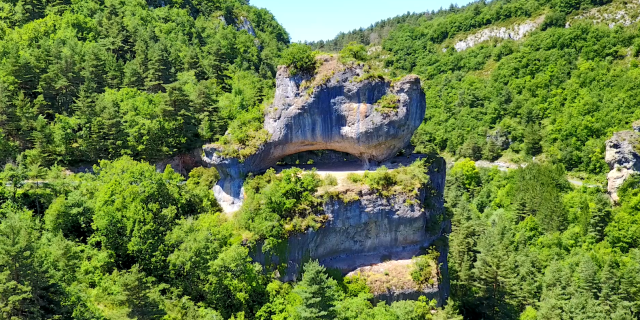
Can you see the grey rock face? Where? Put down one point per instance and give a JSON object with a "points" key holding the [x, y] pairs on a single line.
{"points": [[623, 160], [515, 32], [338, 115], [245, 24], [370, 230]]}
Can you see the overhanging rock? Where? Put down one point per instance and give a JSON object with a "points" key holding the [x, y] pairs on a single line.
{"points": [[340, 114]]}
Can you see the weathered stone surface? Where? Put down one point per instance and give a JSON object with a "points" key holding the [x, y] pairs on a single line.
{"points": [[623, 160], [515, 32], [338, 115], [370, 230]]}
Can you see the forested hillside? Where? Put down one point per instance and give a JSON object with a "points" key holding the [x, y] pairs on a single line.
{"points": [[560, 92], [526, 244], [121, 83], [82, 81]]}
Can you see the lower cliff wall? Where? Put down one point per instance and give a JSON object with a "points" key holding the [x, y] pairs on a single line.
{"points": [[370, 230]]}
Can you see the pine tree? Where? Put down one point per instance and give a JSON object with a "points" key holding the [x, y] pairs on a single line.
{"points": [[600, 217], [318, 292], [25, 292], [494, 274]]}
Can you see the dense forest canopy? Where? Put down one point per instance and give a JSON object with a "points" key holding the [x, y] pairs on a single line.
{"points": [[559, 93], [117, 84], [83, 81]]}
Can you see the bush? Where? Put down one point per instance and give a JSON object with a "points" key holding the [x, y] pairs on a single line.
{"points": [[299, 58], [279, 204], [407, 180], [388, 103], [355, 178], [245, 136], [423, 268], [330, 180], [554, 20], [354, 52]]}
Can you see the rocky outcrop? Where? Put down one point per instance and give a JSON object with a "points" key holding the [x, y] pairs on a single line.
{"points": [[339, 114], [515, 32], [623, 158], [623, 13], [370, 230], [391, 281]]}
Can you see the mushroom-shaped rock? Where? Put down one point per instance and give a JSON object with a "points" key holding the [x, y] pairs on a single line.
{"points": [[343, 113]]}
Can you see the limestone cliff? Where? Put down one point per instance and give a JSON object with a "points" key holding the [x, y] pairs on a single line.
{"points": [[339, 113], [514, 32], [623, 158], [371, 230]]}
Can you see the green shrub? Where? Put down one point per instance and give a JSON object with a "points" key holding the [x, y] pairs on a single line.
{"points": [[406, 180], [423, 268], [245, 136], [554, 20], [299, 58], [277, 205], [354, 52], [355, 178], [330, 180], [388, 103]]}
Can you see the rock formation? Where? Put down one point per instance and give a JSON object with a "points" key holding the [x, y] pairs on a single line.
{"points": [[340, 110], [339, 114], [371, 230], [515, 32], [623, 158]]}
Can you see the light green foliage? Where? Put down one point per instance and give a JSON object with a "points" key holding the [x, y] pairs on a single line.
{"points": [[330, 180], [25, 286], [300, 59], [388, 103], [526, 245], [133, 211], [246, 133], [279, 204], [245, 136], [404, 180], [465, 171], [424, 268], [354, 52]]}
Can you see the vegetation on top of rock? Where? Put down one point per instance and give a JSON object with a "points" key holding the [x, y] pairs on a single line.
{"points": [[426, 270], [388, 103], [354, 52], [277, 205], [300, 59], [403, 180], [245, 136]]}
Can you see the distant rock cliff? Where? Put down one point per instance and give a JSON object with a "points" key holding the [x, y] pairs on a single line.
{"points": [[514, 32], [623, 158], [340, 114]]}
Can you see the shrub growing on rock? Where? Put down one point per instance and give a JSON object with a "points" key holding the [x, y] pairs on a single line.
{"points": [[299, 58]]}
